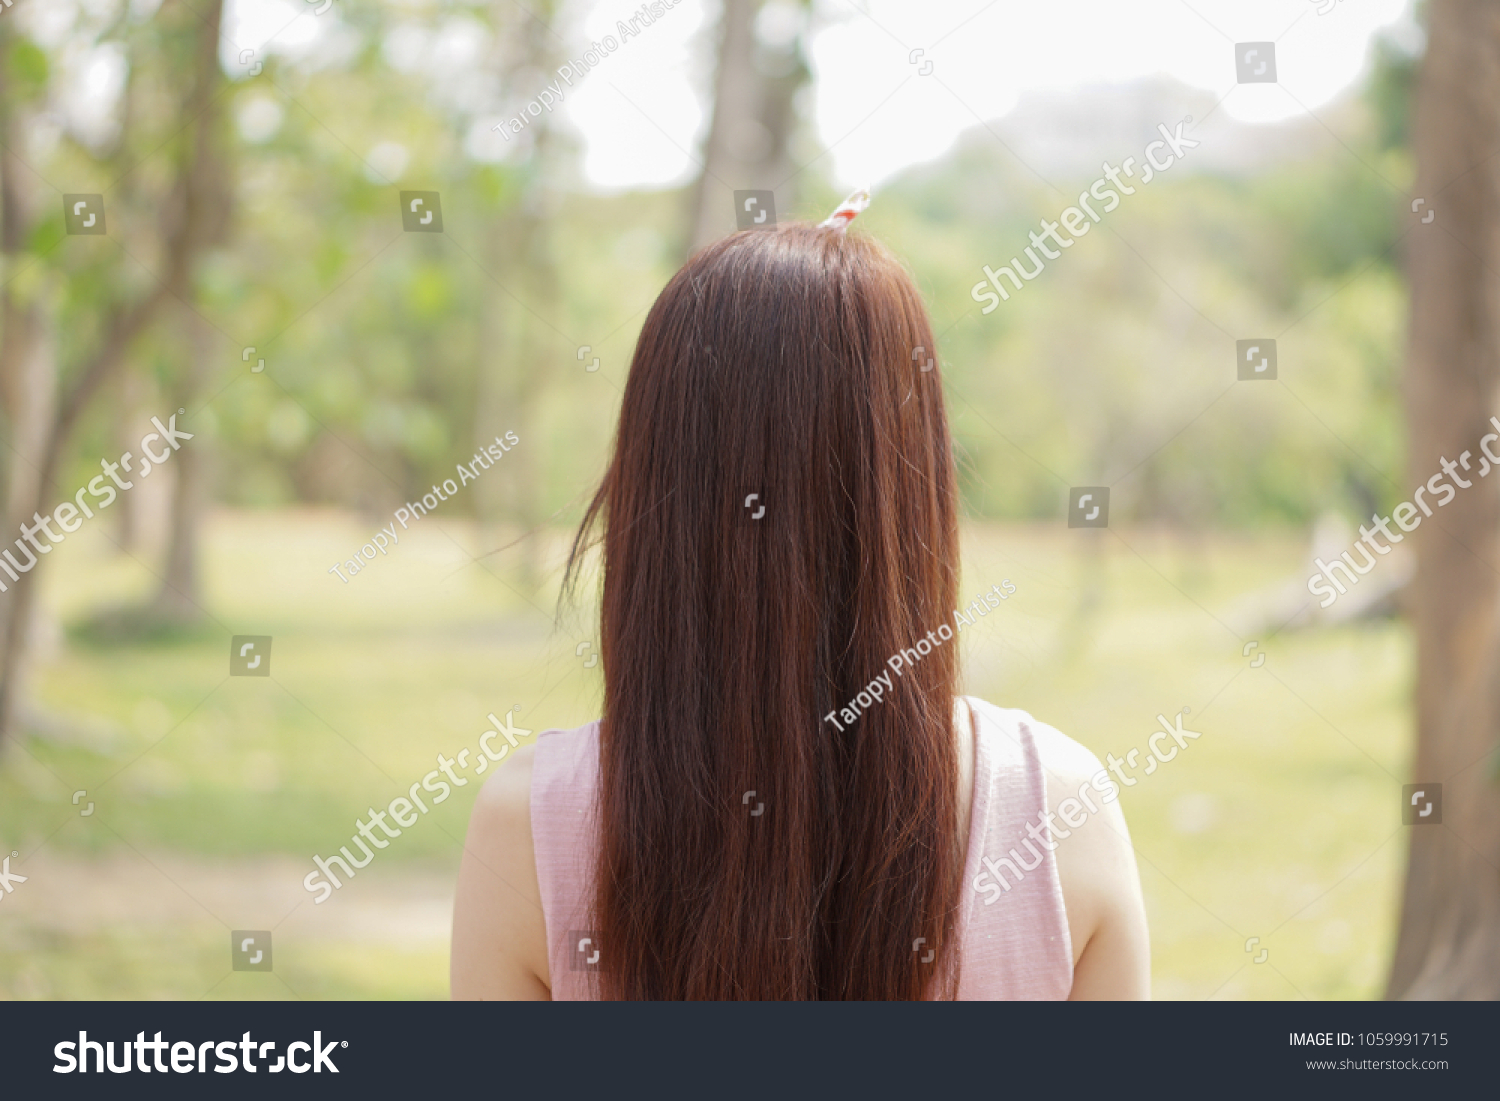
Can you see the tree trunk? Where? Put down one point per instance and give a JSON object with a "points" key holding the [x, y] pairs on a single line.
{"points": [[28, 368], [189, 218], [137, 402], [514, 331], [179, 600], [1449, 941], [749, 138], [511, 393], [207, 193], [28, 372]]}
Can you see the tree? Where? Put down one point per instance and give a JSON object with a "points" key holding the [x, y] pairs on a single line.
{"points": [[1449, 941], [178, 600], [517, 326], [756, 80], [206, 195], [27, 353], [188, 221]]}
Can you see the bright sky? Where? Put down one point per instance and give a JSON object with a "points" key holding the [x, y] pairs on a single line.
{"points": [[639, 117]]}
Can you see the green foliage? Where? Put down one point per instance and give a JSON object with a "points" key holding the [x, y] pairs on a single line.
{"points": [[1115, 366], [1392, 89], [27, 68]]}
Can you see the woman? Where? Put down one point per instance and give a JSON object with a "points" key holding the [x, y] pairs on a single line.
{"points": [[785, 798]]}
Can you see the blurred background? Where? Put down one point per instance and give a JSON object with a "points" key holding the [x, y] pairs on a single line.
{"points": [[254, 277]]}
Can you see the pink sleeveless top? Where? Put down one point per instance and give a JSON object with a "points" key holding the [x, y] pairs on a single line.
{"points": [[1013, 941]]}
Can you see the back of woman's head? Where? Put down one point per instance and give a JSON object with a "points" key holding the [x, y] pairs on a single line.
{"points": [[779, 521]]}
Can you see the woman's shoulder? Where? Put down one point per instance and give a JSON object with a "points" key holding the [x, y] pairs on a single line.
{"points": [[497, 888], [1063, 760], [504, 804], [1095, 858], [526, 807], [505, 798]]}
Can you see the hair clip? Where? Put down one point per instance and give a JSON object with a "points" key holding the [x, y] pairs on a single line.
{"points": [[847, 210]]}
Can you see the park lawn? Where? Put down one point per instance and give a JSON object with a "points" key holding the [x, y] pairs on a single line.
{"points": [[212, 793]]}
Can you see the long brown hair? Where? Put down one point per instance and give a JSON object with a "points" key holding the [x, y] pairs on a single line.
{"points": [[779, 520]]}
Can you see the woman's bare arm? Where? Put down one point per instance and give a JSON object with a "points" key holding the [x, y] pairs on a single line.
{"points": [[1101, 887], [499, 948], [500, 940]]}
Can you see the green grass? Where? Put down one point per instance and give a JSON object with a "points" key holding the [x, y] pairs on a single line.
{"points": [[212, 793], [1282, 821]]}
